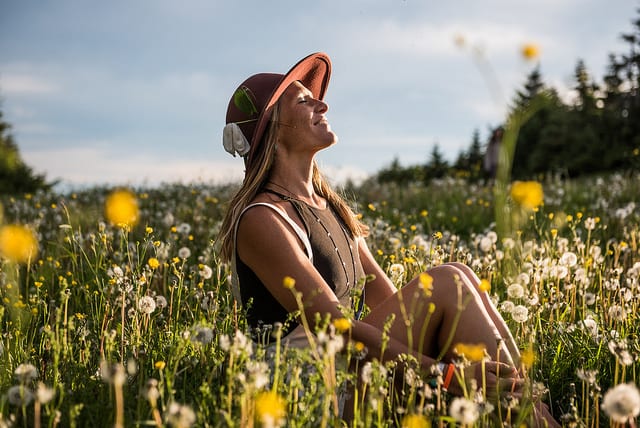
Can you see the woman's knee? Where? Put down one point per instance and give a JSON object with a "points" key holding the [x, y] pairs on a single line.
{"points": [[465, 270]]}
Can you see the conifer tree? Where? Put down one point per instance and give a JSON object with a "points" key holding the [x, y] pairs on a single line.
{"points": [[15, 176]]}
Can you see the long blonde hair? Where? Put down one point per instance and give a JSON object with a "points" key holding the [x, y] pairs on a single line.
{"points": [[257, 175]]}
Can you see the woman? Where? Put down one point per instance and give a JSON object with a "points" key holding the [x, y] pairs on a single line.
{"points": [[286, 221]]}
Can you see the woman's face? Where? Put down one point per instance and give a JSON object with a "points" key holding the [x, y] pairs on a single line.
{"points": [[302, 121]]}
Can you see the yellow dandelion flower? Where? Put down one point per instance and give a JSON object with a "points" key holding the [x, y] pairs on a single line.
{"points": [[527, 194], [288, 282], [18, 243], [530, 51], [437, 235], [342, 324], [371, 207], [527, 358], [426, 283], [484, 285], [415, 421], [470, 351], [459, 40], [153, 263], [160, 365], [554, 233], [121, 208], [424, 213], [358, 346], [270, 408], [148, 230]]}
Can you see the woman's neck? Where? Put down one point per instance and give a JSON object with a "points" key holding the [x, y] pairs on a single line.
{"points": [[296, 186]]}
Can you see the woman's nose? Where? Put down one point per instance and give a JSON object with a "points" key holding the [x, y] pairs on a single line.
{"points": [[321, 106]]}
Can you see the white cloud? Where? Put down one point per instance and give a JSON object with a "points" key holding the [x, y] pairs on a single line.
{"points": [[90, 165], [17, 84]]}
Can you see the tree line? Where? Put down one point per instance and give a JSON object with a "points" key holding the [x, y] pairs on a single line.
{"points": [[598, 131]]}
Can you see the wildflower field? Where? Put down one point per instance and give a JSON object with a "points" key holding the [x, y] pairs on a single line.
{"points": [[117, 312]]}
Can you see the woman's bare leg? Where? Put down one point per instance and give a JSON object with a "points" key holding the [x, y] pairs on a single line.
{"points": [[498, 321], [459, 316]]}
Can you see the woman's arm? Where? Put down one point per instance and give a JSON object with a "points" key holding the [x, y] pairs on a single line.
{"points": [[381, 287]]}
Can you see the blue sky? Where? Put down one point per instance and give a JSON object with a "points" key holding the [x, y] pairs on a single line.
{"points": [[135, 92]]}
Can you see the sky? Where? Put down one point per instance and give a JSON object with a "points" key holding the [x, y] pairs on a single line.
{"points": [[134, 92]]}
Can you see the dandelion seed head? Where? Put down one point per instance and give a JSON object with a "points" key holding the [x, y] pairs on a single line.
{"points": [[184, 253], [520, 314], [147, 305], [25, 372], [19, 395], [179, 415], [44, 394], [515, 291], [622, 402], [569, 259], [485, 244], [202, 335], [464, 410], [205, 272], [161, 302]]}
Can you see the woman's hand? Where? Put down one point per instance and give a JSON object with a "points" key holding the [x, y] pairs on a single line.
{"points": [[499, 380], [495, 378]]}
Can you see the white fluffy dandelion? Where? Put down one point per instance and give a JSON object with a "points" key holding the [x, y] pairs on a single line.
{"points": [[25, 372], [569, 259], [515, 291], [179, 415], [463, 410], [520, 314], [147, 305], [19, 395], [622, 402], [184, 253], [205, 272], [161, 302]]}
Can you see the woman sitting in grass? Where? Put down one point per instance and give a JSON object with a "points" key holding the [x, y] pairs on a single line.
{"points": [[287, 227]]}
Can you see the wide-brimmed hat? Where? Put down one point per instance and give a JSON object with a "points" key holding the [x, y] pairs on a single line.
{"points": [[252, 103]]}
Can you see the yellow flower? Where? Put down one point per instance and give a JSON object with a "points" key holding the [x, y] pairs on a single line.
{"points": [[121, 208], [270, 408], [530, 51], [160, 365], [528, 357], [484, 285], [415, 421], [18, 243], [358, 346], [342, 324], [153, 263], [470, 351], [426, 283], [148, 230], [528, 194], [288, 282]]}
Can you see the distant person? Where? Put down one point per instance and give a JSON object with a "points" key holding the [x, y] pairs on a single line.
{"points": [[287, 222], [492, 153]]}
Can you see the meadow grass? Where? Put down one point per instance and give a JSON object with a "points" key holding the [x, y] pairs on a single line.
{"points": [[136, 326]]}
